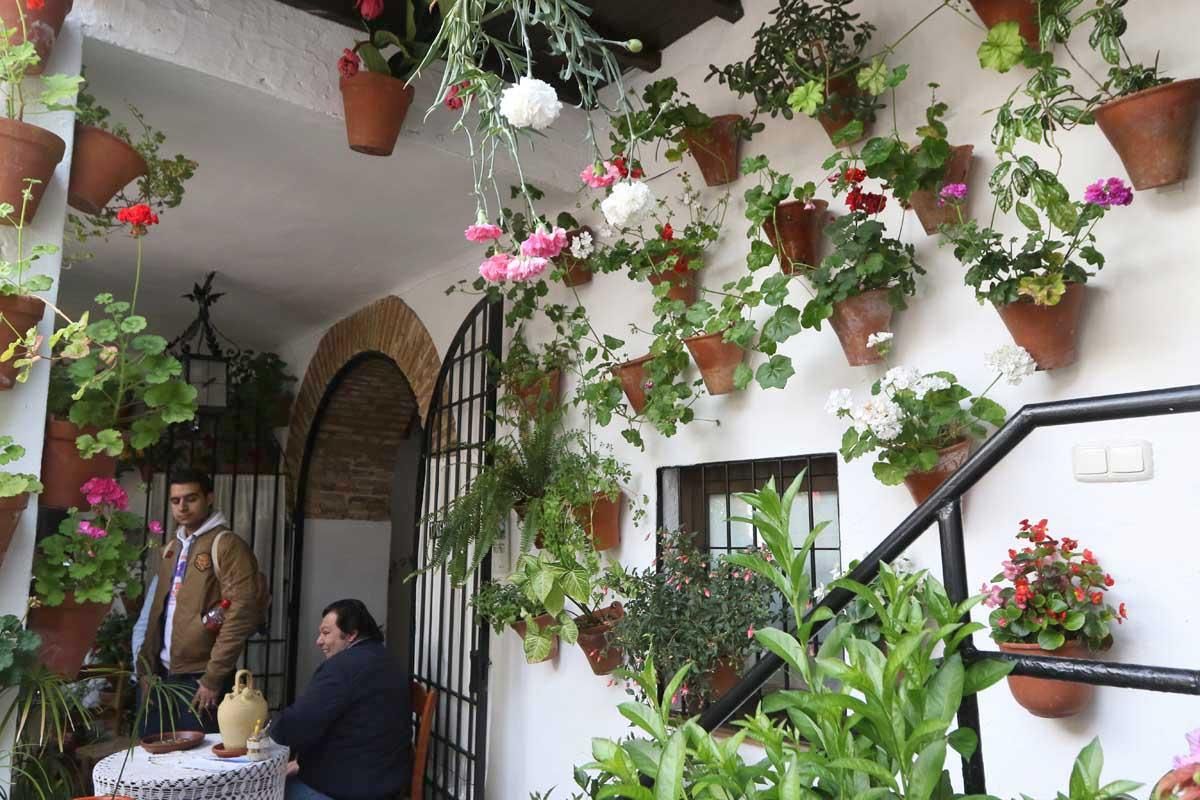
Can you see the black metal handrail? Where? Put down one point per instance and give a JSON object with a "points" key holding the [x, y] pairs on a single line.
{"points": [[944, 507]]}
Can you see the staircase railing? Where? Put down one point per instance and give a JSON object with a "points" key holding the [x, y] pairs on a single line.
{"points": [[944, 507]]}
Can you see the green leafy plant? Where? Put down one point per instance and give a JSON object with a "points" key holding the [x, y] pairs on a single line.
{"points": [[420, 24], [114, 640], [13, 484], [260, 385], [502, 605], [664, 115], [899, 585], [57, 90]]}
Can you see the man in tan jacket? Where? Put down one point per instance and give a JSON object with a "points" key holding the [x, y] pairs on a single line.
{"points": [[178, 646]]}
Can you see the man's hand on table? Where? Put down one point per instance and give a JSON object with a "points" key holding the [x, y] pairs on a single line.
{"points": [[205, 699]]}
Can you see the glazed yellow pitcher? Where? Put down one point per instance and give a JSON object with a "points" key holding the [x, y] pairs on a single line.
{"points": [[240, 709]]}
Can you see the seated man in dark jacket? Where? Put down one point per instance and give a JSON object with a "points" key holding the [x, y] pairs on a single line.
{"points": [[351, 729]]}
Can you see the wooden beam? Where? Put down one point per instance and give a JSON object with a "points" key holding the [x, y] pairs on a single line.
{"points": [[728, 10]]}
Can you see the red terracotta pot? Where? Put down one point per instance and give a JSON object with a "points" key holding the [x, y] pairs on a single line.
{"points": [[68, 632], [922, 484], [682, 280], [10, 516], [632, 375], [840, 116], [593, 640], [715, 149], [717, 360], [1049, 333], [21, 312], [545, 619], [375, 106], [602, 520], [64, 470], [575, 270], [796, 233], [101, 166], [541, 396], [26, 151], [1022, 12], [42, 26], [1152, 132], [925, 203], [856, 318], [1047, 698]]}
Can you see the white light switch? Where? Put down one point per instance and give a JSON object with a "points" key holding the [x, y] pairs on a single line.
{"points": [[1126, 459], [1113, 462], [1090, 461]]}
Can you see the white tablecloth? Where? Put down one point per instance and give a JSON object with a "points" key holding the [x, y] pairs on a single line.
{"points": [[194, 774]]}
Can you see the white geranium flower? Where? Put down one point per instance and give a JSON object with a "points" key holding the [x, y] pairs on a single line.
{"points": [[1011, 361], [628, 204], [929, 383], [839, 400], [530, 103], [881, 416], [882, 337], [897, 379], [582, 246]]}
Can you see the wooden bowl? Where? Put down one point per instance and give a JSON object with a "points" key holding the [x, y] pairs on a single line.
{"points": [[169, 742], [220, 751]]}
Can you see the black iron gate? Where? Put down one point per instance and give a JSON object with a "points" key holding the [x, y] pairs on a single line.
{"points": [[449, 646]]}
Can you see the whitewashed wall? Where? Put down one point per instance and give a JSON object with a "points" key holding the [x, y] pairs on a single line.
{"points": [[1139, 333]]}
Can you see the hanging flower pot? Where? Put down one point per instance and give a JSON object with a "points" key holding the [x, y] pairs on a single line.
{"points": [[10, 516], [602, 520], [796, 234], [717, 360], [1047, 698], [632, 375], [575, 270], [681, 279], [932, 212], [21, 312], [856, 318], [375, 106], [101, 166], [27, 152], [68, 632], [845, 86], [715, 149], [42, 25], [64, 470], [1049, 333], [593, 639], [543, 621], [1022, 12], [922, 484], [1152, 131], [541, 395]]}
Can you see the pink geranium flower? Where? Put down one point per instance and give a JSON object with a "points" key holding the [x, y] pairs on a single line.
{"points": [[105, 492], [495, 269], [482, 232], [1108, 193], [952, 193], [544, 244], [91, 531], [155, 527]]}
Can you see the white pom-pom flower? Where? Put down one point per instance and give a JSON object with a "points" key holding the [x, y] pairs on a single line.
{"points": [[628, 204], [530, 103]]}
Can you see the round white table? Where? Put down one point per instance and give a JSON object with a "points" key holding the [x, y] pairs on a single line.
{"points": [[194, 774]]}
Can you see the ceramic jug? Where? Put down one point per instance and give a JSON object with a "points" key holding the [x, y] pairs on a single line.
{"points": [[240, 709]]}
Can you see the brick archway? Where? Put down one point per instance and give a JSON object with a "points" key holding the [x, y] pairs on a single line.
{"points": [[388, 327]]}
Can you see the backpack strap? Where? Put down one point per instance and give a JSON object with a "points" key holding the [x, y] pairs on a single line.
{"points": [[216, 559]]}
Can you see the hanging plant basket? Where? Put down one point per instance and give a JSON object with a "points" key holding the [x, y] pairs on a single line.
{"points": [[1022, 12], [922, 484], [593, 639], [68, 632], [22, 312], [575, 270], [101, 166], [375, 106], [64, 470], [1047, 698], [1152, 132], [42, 24], [602, 520], [632, 375], [10, 517], [1049, 333], [926, 202], [797, 233], [856, 318], [541, 395], [682, 280], [715, 149], [840, 116], [717, 360], [28, 152], [543, 621]]}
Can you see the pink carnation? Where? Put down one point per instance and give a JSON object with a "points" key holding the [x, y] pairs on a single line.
{"points": [[495, 269], [544, 244], [594, 179], [480, 233], [105, 492], [525, 267], [92, 531]]}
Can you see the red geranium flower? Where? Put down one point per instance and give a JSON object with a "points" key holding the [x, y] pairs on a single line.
{"points": [[1121, 612], [349, 63], [137, 217], [853, 175], [668, 233], [858, 200]]}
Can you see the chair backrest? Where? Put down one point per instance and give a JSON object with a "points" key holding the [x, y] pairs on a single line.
{"points": [[424, 701]]}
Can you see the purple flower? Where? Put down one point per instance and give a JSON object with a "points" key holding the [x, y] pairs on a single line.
{"points": [[952, 193], [1193, 756], [1108, 193]]}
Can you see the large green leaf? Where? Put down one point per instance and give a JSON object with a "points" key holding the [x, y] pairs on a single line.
{"points": [[927, 772], [669, 784], [1002, 48]]}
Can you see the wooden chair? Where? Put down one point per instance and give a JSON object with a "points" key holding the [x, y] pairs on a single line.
{"points": [[423, 701]]}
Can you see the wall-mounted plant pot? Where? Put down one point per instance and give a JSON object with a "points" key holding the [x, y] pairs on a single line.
{"points": [[593, 639], [845, 86], [10, 516], [543, 621], [1049, 333], [683, 282], [26, 151], [717, 360], [922, 484], [541, 395], [21, 312], [797, 233], [715, 149], [42, 26], [375, 106], [855, 319], [602, 520], [1152, 132], [64, 470], [1022, 12], [926, 203], [720, 681], [1047, 698], [68, 632], [632, 375], [575, 270], [101, 166]]}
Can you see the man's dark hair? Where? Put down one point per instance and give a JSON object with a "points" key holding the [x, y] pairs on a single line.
{"points": [[352, 617], [190, 475]]}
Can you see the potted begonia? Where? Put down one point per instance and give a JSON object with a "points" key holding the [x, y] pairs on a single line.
{"points": [[15, 488], [1053, 602]]}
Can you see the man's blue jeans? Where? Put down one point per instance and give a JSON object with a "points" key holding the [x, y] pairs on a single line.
{"points": [[297, 789]]}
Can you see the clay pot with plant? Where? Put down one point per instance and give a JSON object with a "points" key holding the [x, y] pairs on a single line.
{"points": [[1053, 602], [595, 632], [37, 22], [1022, 12], [788, 213], [504, 605], [573, 261], [15, 489], [20, 309], [103, 161], [534, 379], [717, 338], [632, 377]]}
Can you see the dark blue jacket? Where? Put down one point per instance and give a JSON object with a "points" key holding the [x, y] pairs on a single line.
{"points": [[351, 729]]}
